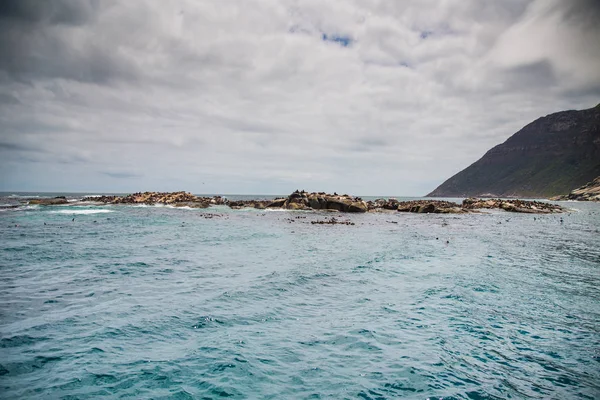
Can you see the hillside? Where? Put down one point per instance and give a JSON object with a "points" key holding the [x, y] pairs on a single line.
{"points": [[550, 156], [588, 192]]}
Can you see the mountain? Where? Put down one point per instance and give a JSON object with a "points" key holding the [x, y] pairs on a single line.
{"points": [[550, 156]]}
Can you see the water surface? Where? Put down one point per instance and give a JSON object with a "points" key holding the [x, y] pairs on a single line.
{"points": [[155, 302]]}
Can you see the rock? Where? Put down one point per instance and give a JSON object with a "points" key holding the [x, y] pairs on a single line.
{"points": [[258, 204], [100, 199], [216, 200], [383, 204], [192, 204], [587, 192], [357, 207], [314, 202], [49, 202], [277, 203], [427, 208], [296, 206], [176, 199], [301, 200], [516, 205], [332, 221], [430, 207]]}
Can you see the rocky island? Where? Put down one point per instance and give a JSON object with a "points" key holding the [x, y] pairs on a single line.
{"points": [[176, 199], [315, 201]]}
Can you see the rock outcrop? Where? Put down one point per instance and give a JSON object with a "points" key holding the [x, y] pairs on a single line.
{"points": [[431, 207], [587, 192], [548, 157], [258, 204], [49, 202], [519, 206], [416, 206], [301, 200], [176, 199]]}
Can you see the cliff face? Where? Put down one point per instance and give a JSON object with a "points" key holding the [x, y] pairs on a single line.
{"points": [[550, 156]]}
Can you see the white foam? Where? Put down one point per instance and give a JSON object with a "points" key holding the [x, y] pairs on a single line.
{"points": [[82, 212]]}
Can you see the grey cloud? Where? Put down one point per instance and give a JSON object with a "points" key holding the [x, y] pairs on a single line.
{"points": [[8, 99], [530, 76], [585, 13], [121, 175], [8, 146], [47, 39], [70, 12], [370, 144]]}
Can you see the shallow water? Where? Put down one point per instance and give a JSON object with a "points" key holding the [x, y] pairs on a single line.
{"points": [[154, 302]]}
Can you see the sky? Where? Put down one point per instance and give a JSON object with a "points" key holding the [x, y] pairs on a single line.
{"points": [[367, 97]]}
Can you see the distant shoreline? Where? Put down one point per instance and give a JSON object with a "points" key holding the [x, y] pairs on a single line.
{"points": [[306, 201]]}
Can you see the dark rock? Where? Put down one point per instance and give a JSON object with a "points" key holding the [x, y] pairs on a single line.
{"points": [[49, 202], [332, 221], [301, 200], [277, 203], [430, 207], [513, 205]]}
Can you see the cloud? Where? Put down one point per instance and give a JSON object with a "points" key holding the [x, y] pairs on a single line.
{"points": [[15, 147], [268, 96], [561, 37], [120, 174]]}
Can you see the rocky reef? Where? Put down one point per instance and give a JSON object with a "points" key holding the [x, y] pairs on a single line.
{"points": [[302, 200], [519, 206], [49, 202], [429, 206], [587, 192], [176, 199]]}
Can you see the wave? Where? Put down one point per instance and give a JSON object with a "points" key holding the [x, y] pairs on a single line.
{"points": [[159, 205], [19, 196], [82, 212]]}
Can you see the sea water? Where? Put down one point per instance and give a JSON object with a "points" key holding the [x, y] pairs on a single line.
{"points": [[165, 303]]}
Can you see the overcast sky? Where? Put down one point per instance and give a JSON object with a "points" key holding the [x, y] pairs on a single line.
{"points": [[369, 97]]}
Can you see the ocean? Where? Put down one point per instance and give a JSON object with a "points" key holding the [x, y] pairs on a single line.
{"points": [[153, 302]]}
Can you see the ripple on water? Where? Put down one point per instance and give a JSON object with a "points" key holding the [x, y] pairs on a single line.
{"points": [[157, 303]]}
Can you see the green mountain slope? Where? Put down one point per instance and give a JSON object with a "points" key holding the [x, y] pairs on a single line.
{"points": [[550, 156]]}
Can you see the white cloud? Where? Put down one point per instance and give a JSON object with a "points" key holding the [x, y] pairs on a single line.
{"points": [[247, 96]]}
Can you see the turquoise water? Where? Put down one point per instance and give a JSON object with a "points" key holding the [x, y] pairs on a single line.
{"points": [[154, 302]]}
